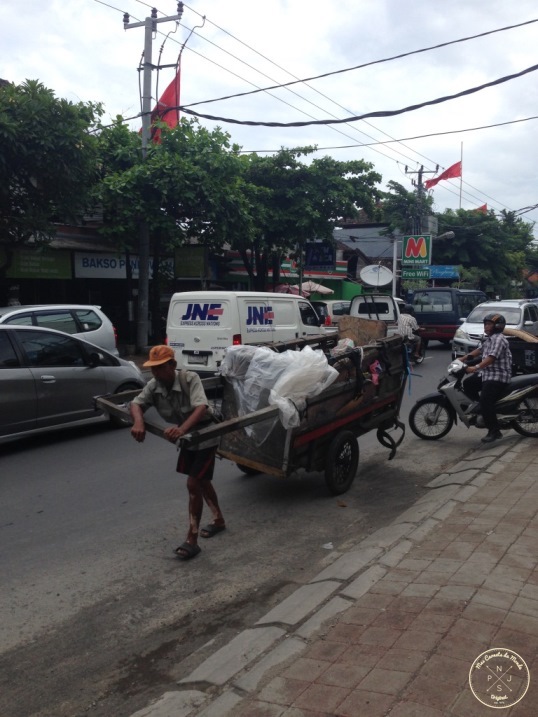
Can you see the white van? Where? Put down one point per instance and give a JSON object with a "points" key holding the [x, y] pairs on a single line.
{"points": [[201, 324], [380, 307]]}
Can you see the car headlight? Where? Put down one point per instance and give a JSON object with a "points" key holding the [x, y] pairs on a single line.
{"points": [[461, 334]]}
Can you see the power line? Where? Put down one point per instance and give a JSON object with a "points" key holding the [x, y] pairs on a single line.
{"points": [[383, 113], [357, 67], [326, 74], [403, 139]]}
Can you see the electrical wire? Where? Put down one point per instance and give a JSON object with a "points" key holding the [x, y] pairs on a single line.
{"points": [[357, 67], [285, 85], [381, 113]]}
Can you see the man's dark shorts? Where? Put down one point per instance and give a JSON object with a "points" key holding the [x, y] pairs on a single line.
{"points": [[197, 464]]}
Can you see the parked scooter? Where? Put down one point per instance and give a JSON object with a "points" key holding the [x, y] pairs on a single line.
{"points": [[433, 416]]}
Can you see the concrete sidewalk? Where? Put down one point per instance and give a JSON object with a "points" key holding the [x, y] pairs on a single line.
{"points": [[393, 626]]}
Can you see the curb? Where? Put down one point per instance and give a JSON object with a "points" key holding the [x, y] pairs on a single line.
{"points": [[218, 685]]}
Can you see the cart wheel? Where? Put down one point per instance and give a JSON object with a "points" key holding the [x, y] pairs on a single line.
{"points": [[342, 462], [247, 470]]}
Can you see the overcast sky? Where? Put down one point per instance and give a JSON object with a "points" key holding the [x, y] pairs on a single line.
{"points": [[81, 51]]}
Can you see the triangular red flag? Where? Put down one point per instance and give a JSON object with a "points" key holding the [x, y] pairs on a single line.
{"points": [[453, 171], [483, 209]]}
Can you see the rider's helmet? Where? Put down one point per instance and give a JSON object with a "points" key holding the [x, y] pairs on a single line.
{"points": [[498, 321]]}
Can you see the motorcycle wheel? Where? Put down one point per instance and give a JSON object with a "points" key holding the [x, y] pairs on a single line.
{"points": [[431, 419], [526, 424]]}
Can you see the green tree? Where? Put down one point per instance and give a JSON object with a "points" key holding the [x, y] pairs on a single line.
{"points": [[189, 186], [47, 160], [401, 208], [492, 251], [294, 202]]}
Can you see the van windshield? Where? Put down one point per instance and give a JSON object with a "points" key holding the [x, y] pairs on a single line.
{"points": [[512, 314], [432, 301]]}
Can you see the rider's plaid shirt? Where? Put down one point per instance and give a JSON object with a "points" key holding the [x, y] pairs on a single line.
{"points": [[497, 346]]}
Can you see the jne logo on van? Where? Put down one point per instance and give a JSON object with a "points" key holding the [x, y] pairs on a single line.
{"points": [[203, 312], [260, 315]]}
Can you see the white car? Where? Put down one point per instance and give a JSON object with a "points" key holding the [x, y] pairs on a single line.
{"points": [[85, 322]]}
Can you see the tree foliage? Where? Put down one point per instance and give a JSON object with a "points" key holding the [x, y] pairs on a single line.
{"points": [[294, 202], [494, 249], [188, 186], [490, 250], [47, 160], [196, 185], [400, 208]]}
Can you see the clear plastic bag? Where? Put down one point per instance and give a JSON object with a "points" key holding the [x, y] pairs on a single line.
{"points": [[261, 377]]}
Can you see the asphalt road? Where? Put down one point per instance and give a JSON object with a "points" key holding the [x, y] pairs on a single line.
{"points": [[97, 616]]}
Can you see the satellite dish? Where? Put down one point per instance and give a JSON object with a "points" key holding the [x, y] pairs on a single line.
{"points": [[376, 275]]}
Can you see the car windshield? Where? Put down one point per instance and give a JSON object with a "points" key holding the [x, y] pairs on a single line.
{"points": [[512, 314]]}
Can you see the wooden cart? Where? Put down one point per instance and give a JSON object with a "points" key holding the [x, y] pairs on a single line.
{"points": [[366, 395]]}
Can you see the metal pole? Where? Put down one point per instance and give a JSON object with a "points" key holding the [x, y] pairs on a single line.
{"points": [[150, 26], [143, 246]]}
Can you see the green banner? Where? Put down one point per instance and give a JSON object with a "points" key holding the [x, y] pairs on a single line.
{"points": [[39, 264]]}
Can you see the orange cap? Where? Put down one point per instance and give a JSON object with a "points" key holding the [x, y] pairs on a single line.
{"points": [[159, 355]]}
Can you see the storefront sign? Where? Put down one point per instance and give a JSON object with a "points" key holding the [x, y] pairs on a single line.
{"points": [[39, 263], [89, 265], [417, 250]]}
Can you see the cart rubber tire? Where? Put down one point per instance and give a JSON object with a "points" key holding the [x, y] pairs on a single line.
{"points": [[247, 470], [420, 419], [117, 421], [527, 423], [342, 462]]}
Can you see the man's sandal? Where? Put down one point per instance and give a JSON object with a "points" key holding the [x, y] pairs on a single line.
{"points": [[186, 551], [210, 530]]}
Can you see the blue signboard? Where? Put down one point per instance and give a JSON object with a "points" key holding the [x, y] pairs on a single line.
{"points": [[444, 272]]}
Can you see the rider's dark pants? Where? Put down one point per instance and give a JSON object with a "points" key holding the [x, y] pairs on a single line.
{"points": [[488, 393]]}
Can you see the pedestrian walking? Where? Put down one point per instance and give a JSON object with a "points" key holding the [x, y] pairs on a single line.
{"points": [[179, 398]]}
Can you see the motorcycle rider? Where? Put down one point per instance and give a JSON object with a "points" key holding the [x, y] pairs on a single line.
{"points": [[407, 328], [489, 379]]}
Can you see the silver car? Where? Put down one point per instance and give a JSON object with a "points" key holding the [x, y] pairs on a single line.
{"points": [[84, 321], [520, 314], [48, 379]]}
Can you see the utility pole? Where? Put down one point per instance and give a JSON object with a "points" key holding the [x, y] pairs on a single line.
{"points": [[150, 27], [417, 219]]}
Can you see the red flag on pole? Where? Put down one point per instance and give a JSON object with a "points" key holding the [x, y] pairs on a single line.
{"points": [[453, 171], [168, 99], [483, 209]]}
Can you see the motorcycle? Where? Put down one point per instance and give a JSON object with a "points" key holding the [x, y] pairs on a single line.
{"points": [[433, 416]]}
